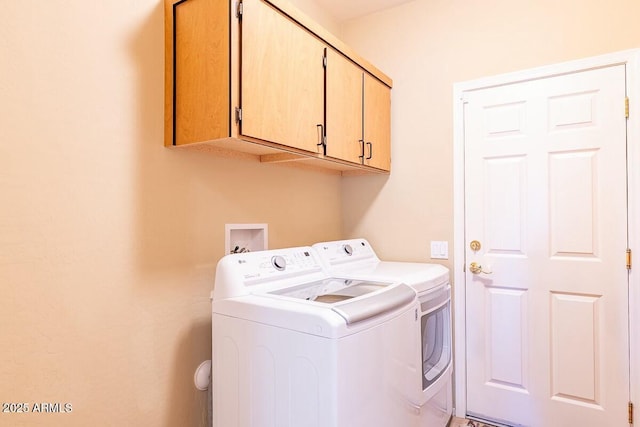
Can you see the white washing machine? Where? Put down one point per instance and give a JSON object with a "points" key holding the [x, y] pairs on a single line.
{"points": [[296, 347], [432, 388]]}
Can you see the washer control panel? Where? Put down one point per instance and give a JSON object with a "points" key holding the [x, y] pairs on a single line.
{"points": [[279, 262], [257, 267]]}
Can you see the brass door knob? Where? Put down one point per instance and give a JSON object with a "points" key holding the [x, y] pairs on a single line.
{"points": [[476, 268]]}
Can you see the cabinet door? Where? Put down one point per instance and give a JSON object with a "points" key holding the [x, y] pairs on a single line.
{"points": [[344, 108], [282, 79], [377, 123], [197, 71]]}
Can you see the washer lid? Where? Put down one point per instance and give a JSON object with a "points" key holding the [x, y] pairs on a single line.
{"points": [[330, 290], [375, 305], [353, 300]]}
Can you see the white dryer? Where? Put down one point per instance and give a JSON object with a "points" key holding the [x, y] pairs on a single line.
{"points": [[432, 388], [296, 347]]}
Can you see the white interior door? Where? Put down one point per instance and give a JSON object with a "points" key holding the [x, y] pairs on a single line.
{"points": [[545, 196]]}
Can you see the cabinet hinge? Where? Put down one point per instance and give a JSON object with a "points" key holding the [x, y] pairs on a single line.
{"points": [[324, 60], [630, 412], [239, 9], [626, 107], [238, 114], [628, 259]]}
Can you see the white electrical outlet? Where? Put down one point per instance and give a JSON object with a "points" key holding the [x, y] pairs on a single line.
{"points": [[439, 250]]}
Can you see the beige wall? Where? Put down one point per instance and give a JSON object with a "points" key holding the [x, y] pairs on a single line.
{"points": [[108, 240], [428, 45]]}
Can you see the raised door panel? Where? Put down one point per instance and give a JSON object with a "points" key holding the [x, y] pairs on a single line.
{"points": [[344, 108], [282, 79], [377, 123]]}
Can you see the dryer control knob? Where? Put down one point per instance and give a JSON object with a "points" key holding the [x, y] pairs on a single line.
{"points": [[279, 262], [348, 249]]}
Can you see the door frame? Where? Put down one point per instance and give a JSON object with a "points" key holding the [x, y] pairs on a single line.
{"points": [[630, 58]]}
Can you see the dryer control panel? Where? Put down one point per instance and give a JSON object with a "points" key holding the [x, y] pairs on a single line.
{"points": [[343, 251]]}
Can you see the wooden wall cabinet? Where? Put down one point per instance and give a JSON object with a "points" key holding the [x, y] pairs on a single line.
{"points": [[377, 123], [282, 79], [259, 77], [358, 125], [344, 108]]}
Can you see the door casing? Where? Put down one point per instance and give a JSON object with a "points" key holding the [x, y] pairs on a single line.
{"points": [[631, 59]]}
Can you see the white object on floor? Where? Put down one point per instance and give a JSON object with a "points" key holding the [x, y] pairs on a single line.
{"points": [[202, 374]]}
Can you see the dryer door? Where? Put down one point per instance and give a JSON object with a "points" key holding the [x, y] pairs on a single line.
{"points": [[436, 335]]}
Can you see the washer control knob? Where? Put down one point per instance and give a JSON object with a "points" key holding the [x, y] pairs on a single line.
{"points": [[348, 250], [279, 262]]}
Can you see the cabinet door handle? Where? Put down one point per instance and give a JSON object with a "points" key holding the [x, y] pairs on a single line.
{"points": [[321, 138], [370, 150], [361, 156]]}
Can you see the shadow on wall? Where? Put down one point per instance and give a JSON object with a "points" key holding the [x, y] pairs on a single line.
{"points": [[359, 195], [162, 198], [181, 197], [182, 385], [172, 286]]}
